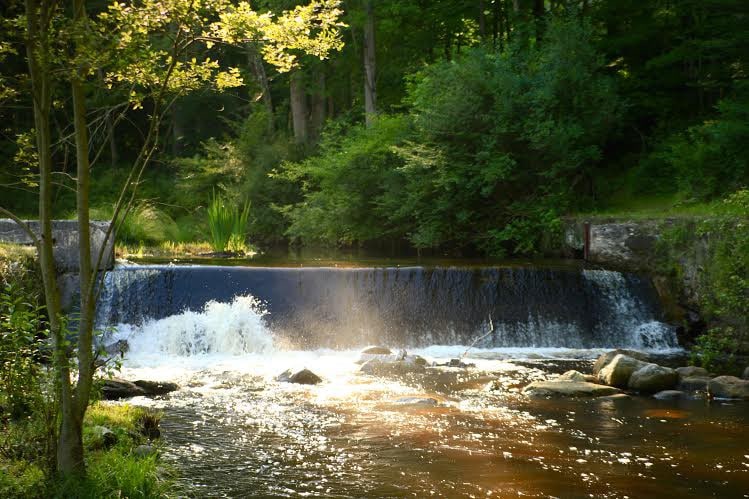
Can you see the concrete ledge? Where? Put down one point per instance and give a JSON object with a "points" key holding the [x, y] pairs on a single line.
{"points": [[65, 244]]}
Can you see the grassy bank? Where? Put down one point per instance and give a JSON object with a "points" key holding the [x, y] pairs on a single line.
{"points": [[118, 464]]}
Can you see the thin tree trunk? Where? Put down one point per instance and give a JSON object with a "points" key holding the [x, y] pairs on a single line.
{"points": [[298, 107], [69, 448], [482, 19], [318, 111], [262, 78], [370, 80]]}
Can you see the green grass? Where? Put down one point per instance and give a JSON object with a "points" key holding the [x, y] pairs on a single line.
{"points": [[116, 472], [658, 207]]}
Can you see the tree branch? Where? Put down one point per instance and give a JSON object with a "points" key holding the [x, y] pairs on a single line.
{"points": [[23, 225]]}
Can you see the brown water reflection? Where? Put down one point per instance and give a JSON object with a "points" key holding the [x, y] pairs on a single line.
{"points": [[244, 435]]}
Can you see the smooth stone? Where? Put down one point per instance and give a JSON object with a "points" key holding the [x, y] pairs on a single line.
{"points": [[425, 401], [144, 450], [670, 395], [729, 387], [556, 388], [375, 350], [653, 378], [617, 372], [692, 372], [746, 373], [379, 367], [607, 357], [591, 378], [118, 348], [156, 387], [105, 438], [572, 376], [117, 388], [694, 384], [303, 377]]}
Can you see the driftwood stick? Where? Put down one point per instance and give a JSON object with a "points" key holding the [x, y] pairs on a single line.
{"points": [[491, 331]]}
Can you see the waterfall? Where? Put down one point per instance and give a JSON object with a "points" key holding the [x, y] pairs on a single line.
{"points": [[204, 309]]}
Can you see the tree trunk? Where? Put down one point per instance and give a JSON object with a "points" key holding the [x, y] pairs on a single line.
{"points": [[114, 154], [538, 16], [298, 107], [319, 104], [370, 81], [70, 448], [482, 19], [262, 78]]}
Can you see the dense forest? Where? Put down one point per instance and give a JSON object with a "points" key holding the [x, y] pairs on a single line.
{"points": [[466, 126]]}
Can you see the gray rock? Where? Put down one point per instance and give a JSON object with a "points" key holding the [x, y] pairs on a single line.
{"points": [[557, 388], [617, 372], [670, 395], [103, 437], [377, 350], [746, 373], [606, 358], [419, 401], [653, 378], [116, 388], [691, 372], [144, 451], [729, 387], [572, 376], [386, 367], [380, 353], [693, 384], [156, 387], [303, 377]]}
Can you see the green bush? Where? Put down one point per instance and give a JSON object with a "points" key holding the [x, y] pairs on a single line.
{"points": [[148, 224]]}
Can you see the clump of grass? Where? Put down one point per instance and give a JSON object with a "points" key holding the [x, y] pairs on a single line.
{"points": [[228, 225]]}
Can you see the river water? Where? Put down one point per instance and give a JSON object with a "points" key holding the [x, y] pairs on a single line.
{"points": [[232, 430]]}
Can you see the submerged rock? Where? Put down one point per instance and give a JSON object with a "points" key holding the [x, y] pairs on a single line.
{"points": [[156, 387], [556, 388], [691, 372], [116, 388], [419, 401], [303, 377], [729, 387], [653, 378], [670, 395], [606, 358], [616, 397], [617, 372]]}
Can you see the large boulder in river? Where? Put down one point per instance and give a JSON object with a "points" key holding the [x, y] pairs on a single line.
{"points": [[746, 373], [691, 372], [652, 378], [606, 358], [619, 369], [116, 388], [729, 387], [557, 388], [156, 387], [303, 377]]}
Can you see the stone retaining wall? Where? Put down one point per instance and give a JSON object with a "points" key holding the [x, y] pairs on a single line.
{"points": [[65, 245]]}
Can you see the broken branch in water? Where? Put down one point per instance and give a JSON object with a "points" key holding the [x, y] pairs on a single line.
{"points": [[491, 330]]}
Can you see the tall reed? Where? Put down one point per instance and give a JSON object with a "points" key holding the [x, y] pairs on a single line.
{"points": [[228, 225]]}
